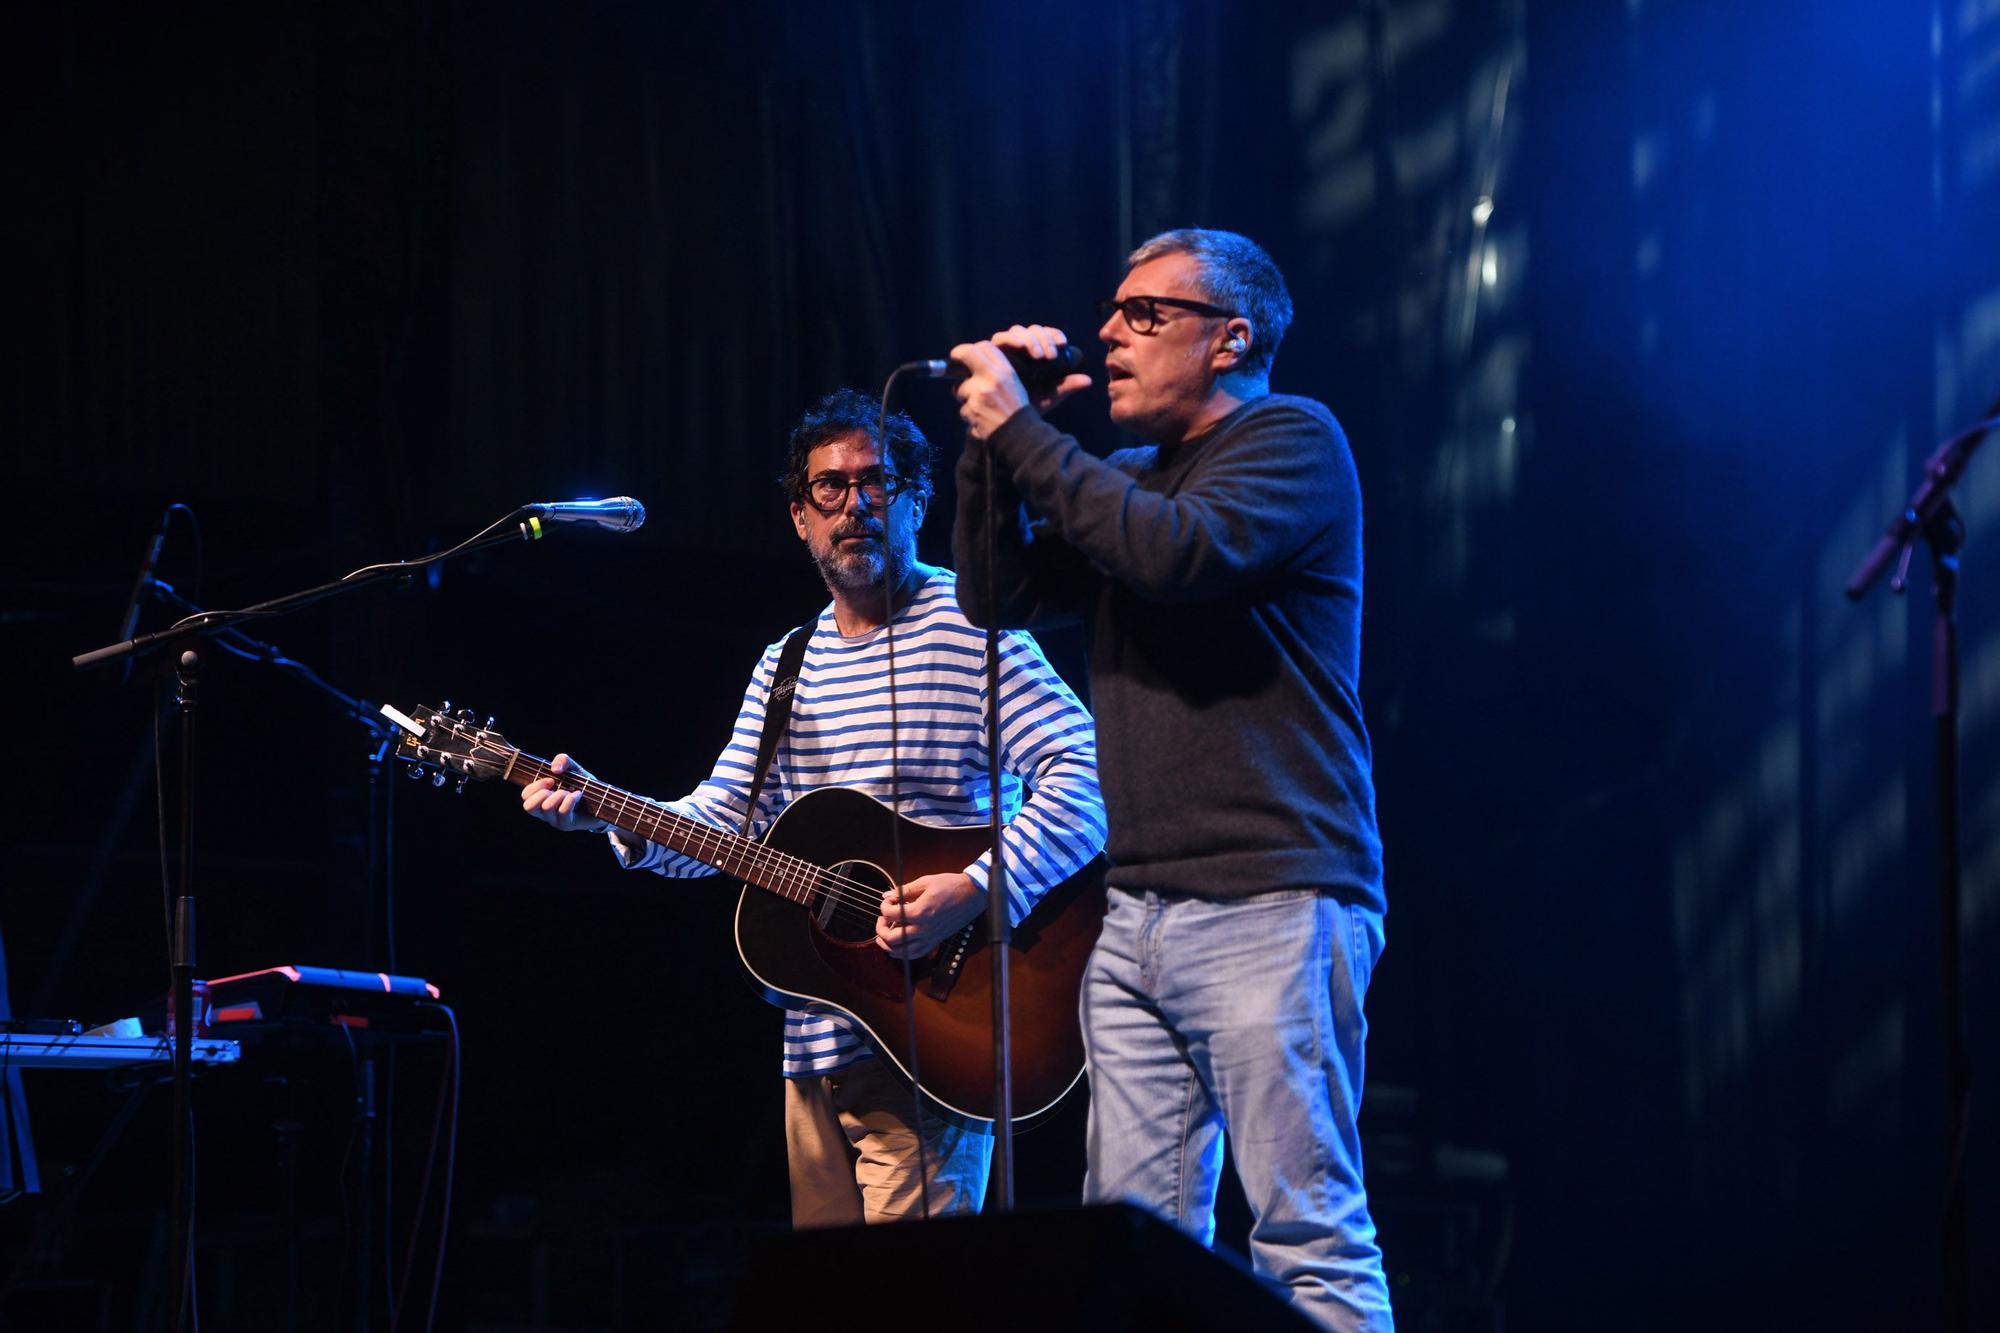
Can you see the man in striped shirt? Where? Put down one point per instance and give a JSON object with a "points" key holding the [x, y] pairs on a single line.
{"points": [[848, 1122]]}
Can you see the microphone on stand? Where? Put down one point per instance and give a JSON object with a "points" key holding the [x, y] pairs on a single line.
{"points": [[621, 513], [1037, 376]]}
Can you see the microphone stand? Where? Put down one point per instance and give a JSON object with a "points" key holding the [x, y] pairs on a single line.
{"points": [[379, 877], [239, 644], [181, 970], [999, 924], [1931, 518], [185, 635], [214, 622]]}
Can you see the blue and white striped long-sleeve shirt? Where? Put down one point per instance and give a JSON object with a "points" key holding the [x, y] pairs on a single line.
{"points": [[838, 735]]}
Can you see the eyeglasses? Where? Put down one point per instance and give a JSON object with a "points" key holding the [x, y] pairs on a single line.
{"points": [[1142, 313], [829, 490]]}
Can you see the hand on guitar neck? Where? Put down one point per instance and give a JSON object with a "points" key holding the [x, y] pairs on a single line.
{"points": [[931, 909], [557, 806]]}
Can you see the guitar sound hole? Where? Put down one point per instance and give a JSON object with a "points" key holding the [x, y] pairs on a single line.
{"points": [[849, 899]]}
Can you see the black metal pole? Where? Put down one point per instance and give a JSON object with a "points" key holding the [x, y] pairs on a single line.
{"points": [[182, 980], [364, 1190], [1945, 534], [287, 1131], [381, 792], [999, 925]]}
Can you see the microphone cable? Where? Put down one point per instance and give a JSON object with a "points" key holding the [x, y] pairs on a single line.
{"points": [[889, 579]]}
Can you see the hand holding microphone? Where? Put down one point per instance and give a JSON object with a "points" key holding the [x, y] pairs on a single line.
{"points": [[1002, 372]]}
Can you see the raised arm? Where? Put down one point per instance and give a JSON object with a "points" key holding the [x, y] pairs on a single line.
{"points": [[1038, 580], [1035, 581], [1259, 497]]}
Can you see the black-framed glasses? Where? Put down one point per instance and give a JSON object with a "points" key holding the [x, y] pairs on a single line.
{"points": [[829, 490], [1142, 313]]}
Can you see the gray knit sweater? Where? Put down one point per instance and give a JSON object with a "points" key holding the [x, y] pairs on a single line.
{"points": [[1219, 584]]}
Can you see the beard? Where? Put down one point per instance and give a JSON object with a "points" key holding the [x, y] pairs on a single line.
{"points": [[860, 567]]}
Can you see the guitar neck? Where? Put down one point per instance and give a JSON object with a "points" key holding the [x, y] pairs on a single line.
{"points": [[733, 854]]}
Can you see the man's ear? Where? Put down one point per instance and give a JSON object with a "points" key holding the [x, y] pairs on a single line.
{"points": [[799, 519], [1238, 335]]}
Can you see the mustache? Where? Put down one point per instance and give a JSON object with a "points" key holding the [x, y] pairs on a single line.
{"points": [[847, 530]]}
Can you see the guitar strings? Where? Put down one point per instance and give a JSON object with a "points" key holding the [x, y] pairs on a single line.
{"points": [[861, 903]]}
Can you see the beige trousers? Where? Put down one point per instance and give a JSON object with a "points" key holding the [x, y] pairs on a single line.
{"points": [[854, 1157]]}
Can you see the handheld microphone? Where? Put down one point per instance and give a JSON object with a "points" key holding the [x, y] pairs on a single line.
{"points": [[621, 513], [1037, 376]]}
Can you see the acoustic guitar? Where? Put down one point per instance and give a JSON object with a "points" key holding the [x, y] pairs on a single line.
{"points": [[805, 923]]}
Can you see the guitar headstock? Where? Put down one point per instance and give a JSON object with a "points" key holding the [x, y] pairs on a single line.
{"points": [[439, 743]]}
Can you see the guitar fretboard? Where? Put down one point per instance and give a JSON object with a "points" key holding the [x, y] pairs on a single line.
{"points": [[788, 876]]}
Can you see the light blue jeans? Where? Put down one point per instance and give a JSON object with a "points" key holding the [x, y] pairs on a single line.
{"points": [[1247, 1013]]}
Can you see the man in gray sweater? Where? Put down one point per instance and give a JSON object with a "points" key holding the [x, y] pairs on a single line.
{"points": [[1216, 570]]}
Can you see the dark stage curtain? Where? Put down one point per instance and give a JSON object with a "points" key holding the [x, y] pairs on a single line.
{"points": [[1639, 318]]}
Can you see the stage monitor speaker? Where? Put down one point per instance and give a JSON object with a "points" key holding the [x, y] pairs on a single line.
{"points": [[1092, 1270]]}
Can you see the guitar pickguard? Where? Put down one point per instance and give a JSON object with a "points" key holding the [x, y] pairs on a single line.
{"points": [[842, 892]]}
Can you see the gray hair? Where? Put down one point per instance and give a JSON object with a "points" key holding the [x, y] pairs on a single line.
{"points": [[1236, 274]]}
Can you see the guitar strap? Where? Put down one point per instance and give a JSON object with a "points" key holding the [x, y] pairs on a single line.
{"points": [[777, 712]]}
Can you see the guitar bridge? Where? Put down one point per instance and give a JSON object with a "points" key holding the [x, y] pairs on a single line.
{"points": [[945, 975]]}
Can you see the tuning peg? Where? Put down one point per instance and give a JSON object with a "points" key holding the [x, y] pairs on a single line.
{"points": [[444, 709], [437, 778], [489, 723], [415, 772], [459, 790]]}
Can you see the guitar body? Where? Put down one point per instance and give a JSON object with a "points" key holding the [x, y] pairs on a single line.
{"points": [[821, 956]]}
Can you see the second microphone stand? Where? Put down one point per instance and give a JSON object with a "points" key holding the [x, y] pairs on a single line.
{"points": [[185, 635], [1931, 518]]}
